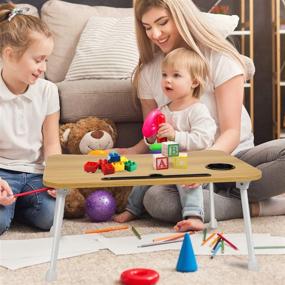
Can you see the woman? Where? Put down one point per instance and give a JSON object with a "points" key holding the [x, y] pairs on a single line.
{"points": [[163, 25]]}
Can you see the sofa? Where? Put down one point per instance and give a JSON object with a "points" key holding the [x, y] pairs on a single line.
{"points": [[93, 79]]}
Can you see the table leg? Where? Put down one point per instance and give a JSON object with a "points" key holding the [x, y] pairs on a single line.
{"points": [[213, 220], [252, 262], [57, 223]]}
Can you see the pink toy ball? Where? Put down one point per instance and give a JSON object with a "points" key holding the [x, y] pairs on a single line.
{"points": [[100, 206]]}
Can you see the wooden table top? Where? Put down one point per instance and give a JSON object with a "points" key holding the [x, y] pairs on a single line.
{"points": [[66, 171]]}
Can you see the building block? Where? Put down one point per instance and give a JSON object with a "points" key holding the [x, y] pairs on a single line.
{"points": [[187, 260], [170, 149], [130, 165], [119, 166], [160, 161], [124, 159], [97, 152], [101, 162], [90, 166], [107, 168], [180, 161], [113, 157]]}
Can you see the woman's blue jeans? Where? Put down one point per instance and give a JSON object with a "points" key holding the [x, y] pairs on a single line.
{"points": [[35, 210]]}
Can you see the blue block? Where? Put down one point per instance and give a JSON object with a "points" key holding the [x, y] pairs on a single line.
{"points": [[187, 259]]}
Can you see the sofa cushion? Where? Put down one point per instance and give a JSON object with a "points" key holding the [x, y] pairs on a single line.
{"points": [[106, 50], [66, 21], [110, 99]]}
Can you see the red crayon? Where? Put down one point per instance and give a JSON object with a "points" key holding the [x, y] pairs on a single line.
{"points": [[227, 241], [32, 192]]}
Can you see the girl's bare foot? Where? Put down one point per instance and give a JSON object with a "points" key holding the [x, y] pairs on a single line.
{"points": [[124, 217], [191, 224]]}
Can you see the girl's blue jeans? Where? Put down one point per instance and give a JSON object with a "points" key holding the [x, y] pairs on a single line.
{"points": [[35, 210]]}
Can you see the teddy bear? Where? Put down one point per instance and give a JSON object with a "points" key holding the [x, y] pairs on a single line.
{"points": [[81, 137]]}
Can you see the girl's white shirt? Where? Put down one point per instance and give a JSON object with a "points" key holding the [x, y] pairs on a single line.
{"points": [[222, 68], [21, 121]]}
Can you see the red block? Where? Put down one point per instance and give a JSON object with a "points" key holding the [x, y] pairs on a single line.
{"points": [[90, 166]]}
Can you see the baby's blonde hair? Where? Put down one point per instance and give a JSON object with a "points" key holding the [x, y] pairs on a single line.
{"points": [[16, 33], [192, 62]]}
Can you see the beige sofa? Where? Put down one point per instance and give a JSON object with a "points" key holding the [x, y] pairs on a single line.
{"points": [[104, 98]]}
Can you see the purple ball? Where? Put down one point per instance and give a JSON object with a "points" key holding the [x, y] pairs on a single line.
{"points": [[100, 206]]}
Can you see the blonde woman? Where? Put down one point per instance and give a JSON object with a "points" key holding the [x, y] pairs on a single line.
{"points": [[163, 25]]}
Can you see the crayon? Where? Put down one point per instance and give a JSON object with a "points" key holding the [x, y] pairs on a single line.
{"points": [[136, 232], [159, 243], [108, 229], [208, 238], [216, 250], [204, 234], [227, 241], [32, 192], [171, 237]]}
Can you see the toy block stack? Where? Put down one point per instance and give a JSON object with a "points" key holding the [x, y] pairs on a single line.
{"points": [[170, 150], [112, 164]]}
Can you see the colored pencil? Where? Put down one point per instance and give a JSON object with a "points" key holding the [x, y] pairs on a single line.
{"points": [[32, 192], [227, 241], [223, 246], [216, 250], [108, 229], [216, 244], [171, 237], [159, 243], [136, 232], [270, 247], [208, 238]]}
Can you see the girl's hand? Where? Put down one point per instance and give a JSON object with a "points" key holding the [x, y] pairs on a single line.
{"points": [[52, 193], [190, 186], [6, 194], [166, 131]]}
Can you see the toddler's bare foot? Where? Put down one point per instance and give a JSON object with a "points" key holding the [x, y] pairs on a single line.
{"points": [[124, 217], [191, 224]]}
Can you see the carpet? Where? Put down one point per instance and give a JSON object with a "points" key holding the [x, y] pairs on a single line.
{"points": [[103, 267]]}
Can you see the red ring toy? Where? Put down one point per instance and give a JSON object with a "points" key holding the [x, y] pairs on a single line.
{"points": [[139, 276]]}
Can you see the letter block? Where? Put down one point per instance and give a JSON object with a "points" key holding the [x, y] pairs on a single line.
{"points": [[160, 161], [170, 149], [181, 161]]}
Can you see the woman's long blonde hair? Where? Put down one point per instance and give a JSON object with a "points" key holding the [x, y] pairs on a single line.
{"points": [[194, 31]]}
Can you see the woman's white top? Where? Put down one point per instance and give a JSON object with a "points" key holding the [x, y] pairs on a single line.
{"points": [[21, 121], [222, 68]]}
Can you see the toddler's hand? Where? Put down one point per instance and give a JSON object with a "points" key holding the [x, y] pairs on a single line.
{"points": [[52, 193], [166, 131], [190, 186], [6, 194]]}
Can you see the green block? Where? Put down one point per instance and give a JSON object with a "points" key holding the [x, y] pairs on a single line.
{"points": [[173, 150], [130, 165]]}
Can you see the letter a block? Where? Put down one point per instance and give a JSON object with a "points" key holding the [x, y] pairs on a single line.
{"points": [[160, 161], [170, 149]]}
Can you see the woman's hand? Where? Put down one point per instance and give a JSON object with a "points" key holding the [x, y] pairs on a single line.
{"points": [[166, 131], [6, 194]]}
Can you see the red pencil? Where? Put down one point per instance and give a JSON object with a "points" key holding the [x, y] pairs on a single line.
{"points": [[227, 241], [32, 192]]}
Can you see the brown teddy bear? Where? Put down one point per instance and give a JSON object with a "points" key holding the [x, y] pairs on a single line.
{"points": [[82, 137]]}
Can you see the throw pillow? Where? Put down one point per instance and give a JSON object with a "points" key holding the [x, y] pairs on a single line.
{"points": [[66, 21], [106, 50], [224, 24]]}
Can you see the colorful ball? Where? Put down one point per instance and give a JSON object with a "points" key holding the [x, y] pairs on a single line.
{"points": [[100, 206]]}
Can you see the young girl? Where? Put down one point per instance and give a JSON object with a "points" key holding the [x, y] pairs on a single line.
{"points": [[29, 116], [189, 123]]}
